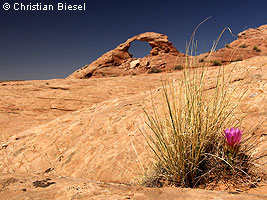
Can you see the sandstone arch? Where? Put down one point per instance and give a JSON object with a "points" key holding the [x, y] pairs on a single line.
{"points": [[121, 58]]}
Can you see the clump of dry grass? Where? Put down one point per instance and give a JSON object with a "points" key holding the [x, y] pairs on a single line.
{"points": [[243, 46], [216, 63], [186, 131], [188, 127], [255, 48]]}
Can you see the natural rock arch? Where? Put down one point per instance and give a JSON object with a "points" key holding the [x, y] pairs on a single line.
{"points": [[120, 55], [158, 42]]}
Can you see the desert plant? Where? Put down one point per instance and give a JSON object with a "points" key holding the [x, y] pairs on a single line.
{"points": [[243, 46], [188, 128], [216, 63], [227, 46], [178, 67], [233, 138], [238, 59], [255, 48], [154, 70], [186, 132], [201, 60]]}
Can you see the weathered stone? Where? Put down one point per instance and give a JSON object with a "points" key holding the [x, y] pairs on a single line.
{"points": [[117, 61], [120, 55], [78, 116], [134, 64], [17, 187], [86, 130], [249, 43]]}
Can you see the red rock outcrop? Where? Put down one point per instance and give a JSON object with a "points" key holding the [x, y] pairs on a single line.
{"points": [[249, 43], [164, 56], [118, 61]]}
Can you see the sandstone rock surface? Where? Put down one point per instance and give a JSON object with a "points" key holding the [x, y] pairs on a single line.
{"points": [[21, 187], [77, 132]]}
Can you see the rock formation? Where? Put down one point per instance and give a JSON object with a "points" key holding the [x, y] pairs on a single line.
{"points": [[165, 57], [85, 128], [118, 61], [88, 129], [249, 43]]}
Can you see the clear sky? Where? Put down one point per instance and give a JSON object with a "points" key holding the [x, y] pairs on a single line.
{"points": [[53, 44]]}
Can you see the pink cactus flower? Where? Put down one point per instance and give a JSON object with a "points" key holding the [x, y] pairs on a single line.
{"points": [[233, 137]]}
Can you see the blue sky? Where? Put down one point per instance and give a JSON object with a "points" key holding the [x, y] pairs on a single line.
{"points": [[53, 44]]}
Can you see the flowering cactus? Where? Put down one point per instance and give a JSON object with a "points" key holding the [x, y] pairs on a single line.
{"points": [[233, 137]]}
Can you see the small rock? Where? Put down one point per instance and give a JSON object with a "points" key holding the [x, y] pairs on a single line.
{"points": [[4, 146], [134, 64], [253, 95], [42, 183]]}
